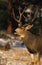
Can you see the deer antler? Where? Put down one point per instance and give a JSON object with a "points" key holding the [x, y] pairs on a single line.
{"points": [[14, 16], [20, 16], [29, 10], [35, 14]]}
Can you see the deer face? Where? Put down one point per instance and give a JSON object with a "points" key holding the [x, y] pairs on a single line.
{"points": [[22, 31]]}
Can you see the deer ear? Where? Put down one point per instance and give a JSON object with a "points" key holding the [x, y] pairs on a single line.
{"points": [[28, 27]]}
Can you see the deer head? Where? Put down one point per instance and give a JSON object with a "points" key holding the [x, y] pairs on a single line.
{"points": [[22, 31]]}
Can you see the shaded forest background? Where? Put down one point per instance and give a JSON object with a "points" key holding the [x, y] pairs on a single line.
{"points": [[4, 16]]}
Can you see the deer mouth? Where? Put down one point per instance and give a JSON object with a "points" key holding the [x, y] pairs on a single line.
{"points": [[19, 35], [16, 34]]}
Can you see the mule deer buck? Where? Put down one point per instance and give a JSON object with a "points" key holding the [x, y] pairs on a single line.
{"points": [[32, 42]]}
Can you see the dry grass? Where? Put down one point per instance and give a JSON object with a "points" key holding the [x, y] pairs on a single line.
{"points": [[16, 56]]}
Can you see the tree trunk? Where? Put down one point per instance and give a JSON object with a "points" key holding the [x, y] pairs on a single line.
{"points": [[9, 27]]}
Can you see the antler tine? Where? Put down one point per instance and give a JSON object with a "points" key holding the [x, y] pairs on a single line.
{"points": [[35, 13], [14, 16], [18, 21], [20, 13]]}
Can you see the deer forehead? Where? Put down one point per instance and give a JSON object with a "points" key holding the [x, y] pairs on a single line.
{"points": [[19, 30]]}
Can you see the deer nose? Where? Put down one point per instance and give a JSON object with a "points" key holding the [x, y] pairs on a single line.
{"points": [[15, 33]]}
